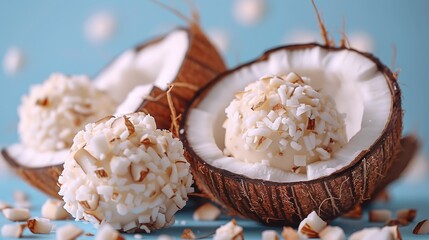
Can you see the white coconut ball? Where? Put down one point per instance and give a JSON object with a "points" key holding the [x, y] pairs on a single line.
{"points": [[125, 172], [281, 121], [56, 110]]}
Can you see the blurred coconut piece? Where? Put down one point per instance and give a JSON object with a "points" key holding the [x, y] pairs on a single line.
{"points": [[13, 60], [249, 12], [100, 26], [361, 41], [301, 36], [220, 38]]}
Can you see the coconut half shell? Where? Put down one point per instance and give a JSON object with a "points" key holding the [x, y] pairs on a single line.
{"points": [[288, 203], [201, 63]]}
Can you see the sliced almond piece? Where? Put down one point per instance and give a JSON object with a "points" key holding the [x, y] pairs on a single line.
{"points": [[206, 212], [13, 230], [422, 227], [53, 209], [289, 233], [68, 232], [332, 233], [229, 231], [39, 225], [380, 215], [407, 214], [355, 213], [107, 232], [188, 234], [16, 214], [312, 225], [269, 235], [85, 160]]}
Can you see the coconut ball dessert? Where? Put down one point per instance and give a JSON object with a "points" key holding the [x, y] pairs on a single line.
{"points": [[125, 172], [56, 110], [283, 122]]}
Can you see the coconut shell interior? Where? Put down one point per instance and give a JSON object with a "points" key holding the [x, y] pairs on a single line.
{"points": [[276, 203], [201, 63]]}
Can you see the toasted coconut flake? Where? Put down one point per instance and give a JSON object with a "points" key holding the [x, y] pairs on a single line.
{"points": [[40, 225], [422, 227], [269, 235], [406, 214], [230, 231], [13, 230], [107, 232], [101, 173], [289, 233], [16, 214], [188, 234], [355, 213], [138, 172], [381, 215], [206, 212], [332, 233], [68, 232], [53, 209]]}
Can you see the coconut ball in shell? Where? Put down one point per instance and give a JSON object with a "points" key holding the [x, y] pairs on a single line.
{"points": [[125, 172], [283, 122], [56, 110]]}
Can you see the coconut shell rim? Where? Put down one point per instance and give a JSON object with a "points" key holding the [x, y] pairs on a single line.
{"points": [[391, 81]]}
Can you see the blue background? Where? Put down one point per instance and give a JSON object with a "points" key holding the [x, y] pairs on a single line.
{"points": [[51, 35]]}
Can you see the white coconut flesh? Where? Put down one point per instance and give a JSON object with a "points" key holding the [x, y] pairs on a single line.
{"points": [[352, 80], [128, 80]]}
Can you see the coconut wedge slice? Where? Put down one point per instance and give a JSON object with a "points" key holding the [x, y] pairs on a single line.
{"points": [[363, 89], [138, 80]]}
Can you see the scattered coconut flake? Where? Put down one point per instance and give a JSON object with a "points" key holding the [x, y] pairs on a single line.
{"points": [[206, 212], [16, 214], [107, 232], [290, 233], [13, 60], [422, 227], [13, 230], [406, 214], [220, 39], [281, 120], [249, 12], [269, 235], [394, 232], [53, 112], [68, 232], [100, 26], [332, 233], [40, 225], [188, 234], [53, 209], [312, 225], [146, 178], [385, 233], [229, 231], [4, 205], [164, 237], [381, 215]]}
